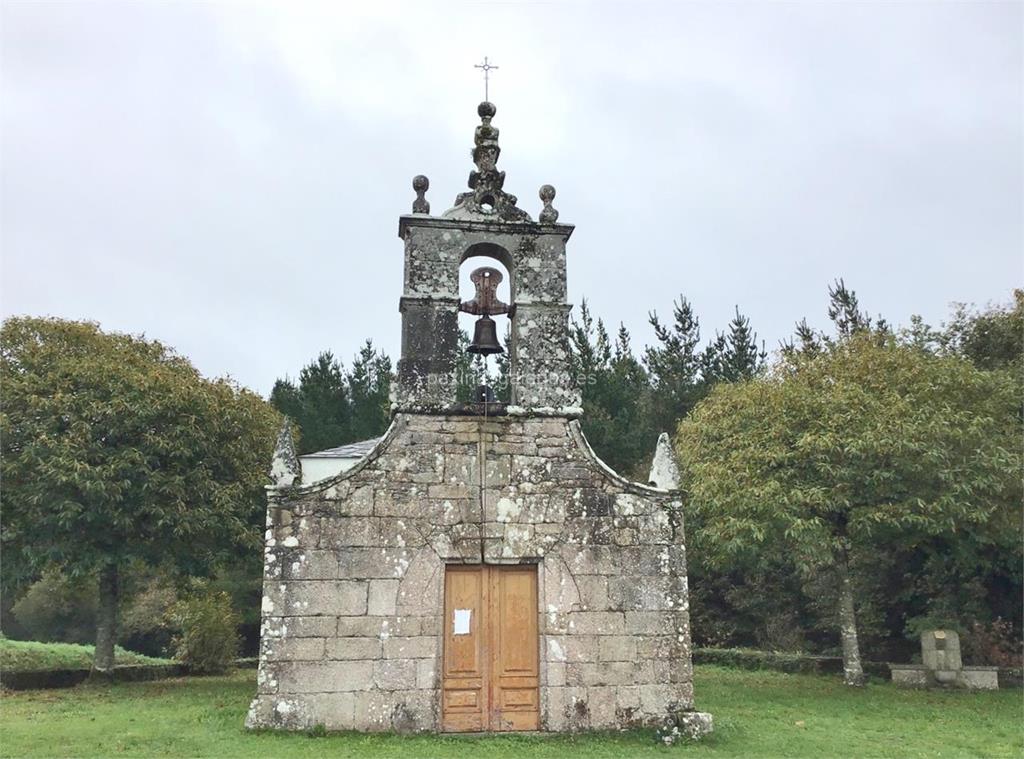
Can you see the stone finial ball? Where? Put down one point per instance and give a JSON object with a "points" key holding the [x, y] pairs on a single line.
{"points": [[420, 183], [547, 193], [486, 110]]}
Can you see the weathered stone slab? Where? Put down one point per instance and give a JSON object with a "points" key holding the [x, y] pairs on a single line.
{"points": [[362, 626], [597, 623], [601, 702], [621, 648], [357, 649], [383, 597], [297, 649], [420, 647], [312, 597], [394, 674], [307, 627], [325, 677]]}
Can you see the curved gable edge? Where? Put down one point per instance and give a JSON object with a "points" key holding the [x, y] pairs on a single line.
{"points": [[278, 491], [576, 431], [399, 422]]}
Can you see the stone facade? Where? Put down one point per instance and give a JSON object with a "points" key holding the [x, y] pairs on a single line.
{"points": [[352, 611], [353, 607]]}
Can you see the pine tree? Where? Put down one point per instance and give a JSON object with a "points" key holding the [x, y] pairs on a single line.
{"points": [[369, 385], [470, 369], [847, 319], [286, 399], [319, 405], [742, 359], [627, 401], [844, 310], [590, 345], [502, 381], [614, 389], [675, 365], [713, 358]]}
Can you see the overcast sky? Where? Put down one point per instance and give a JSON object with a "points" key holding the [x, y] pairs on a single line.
{"points": [[228, 177]]}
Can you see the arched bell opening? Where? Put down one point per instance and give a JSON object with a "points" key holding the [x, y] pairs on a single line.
{"points": [[489, 250], [484, 325]]}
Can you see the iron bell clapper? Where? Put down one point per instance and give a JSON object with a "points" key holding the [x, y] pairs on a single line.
{"points": [[485, 338]]}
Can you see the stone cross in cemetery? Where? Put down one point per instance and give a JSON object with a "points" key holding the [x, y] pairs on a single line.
{"points": [[480, 569]]}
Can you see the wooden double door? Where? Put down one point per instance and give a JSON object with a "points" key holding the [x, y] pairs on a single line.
{"points": [[491, 648]]}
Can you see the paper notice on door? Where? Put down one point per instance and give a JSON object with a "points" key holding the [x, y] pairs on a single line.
{"points": [[462, 621]]}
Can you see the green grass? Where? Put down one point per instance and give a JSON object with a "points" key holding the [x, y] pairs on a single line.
{"points": [[757, 714], [25, 654]]}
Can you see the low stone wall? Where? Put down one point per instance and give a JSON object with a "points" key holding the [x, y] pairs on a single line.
{"points": [[1011, 677], [33, 679], [744, 658]]}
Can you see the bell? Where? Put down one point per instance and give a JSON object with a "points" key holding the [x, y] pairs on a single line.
{"points": [[485, 338]]}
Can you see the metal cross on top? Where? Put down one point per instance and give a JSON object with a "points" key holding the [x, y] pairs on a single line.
{"points": [[487, 68]]}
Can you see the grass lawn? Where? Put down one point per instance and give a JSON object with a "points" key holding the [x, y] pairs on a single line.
{"points": [[757, 714], [26, 654]]}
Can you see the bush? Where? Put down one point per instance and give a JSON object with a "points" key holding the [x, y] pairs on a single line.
{"points": [[58, 608], [992, 644], [207, 636], [145, 621]]}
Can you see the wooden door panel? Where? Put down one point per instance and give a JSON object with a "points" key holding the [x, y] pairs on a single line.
{"points": [[515, 651], [491, 665], [464, 691], [515, 698]]}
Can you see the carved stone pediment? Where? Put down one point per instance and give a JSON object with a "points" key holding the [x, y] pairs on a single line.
{"points": [[487, 198]]}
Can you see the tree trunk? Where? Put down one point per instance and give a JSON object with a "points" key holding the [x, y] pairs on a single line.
{"points": [[853, 673], [106, 619]]}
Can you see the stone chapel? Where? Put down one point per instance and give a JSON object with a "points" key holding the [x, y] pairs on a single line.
{"points": [[480, 569]]}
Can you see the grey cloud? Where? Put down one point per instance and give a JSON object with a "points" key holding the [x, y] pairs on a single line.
{"points": [[229, 181]]}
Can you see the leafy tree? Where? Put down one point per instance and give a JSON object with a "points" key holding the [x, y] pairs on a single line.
{"points": [[207, 630], [991, 339], [56, 608], [863, 446], [114, 450], [994, 338]]}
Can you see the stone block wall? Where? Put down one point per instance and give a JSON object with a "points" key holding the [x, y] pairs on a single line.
{"points": [[353, 588]]}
